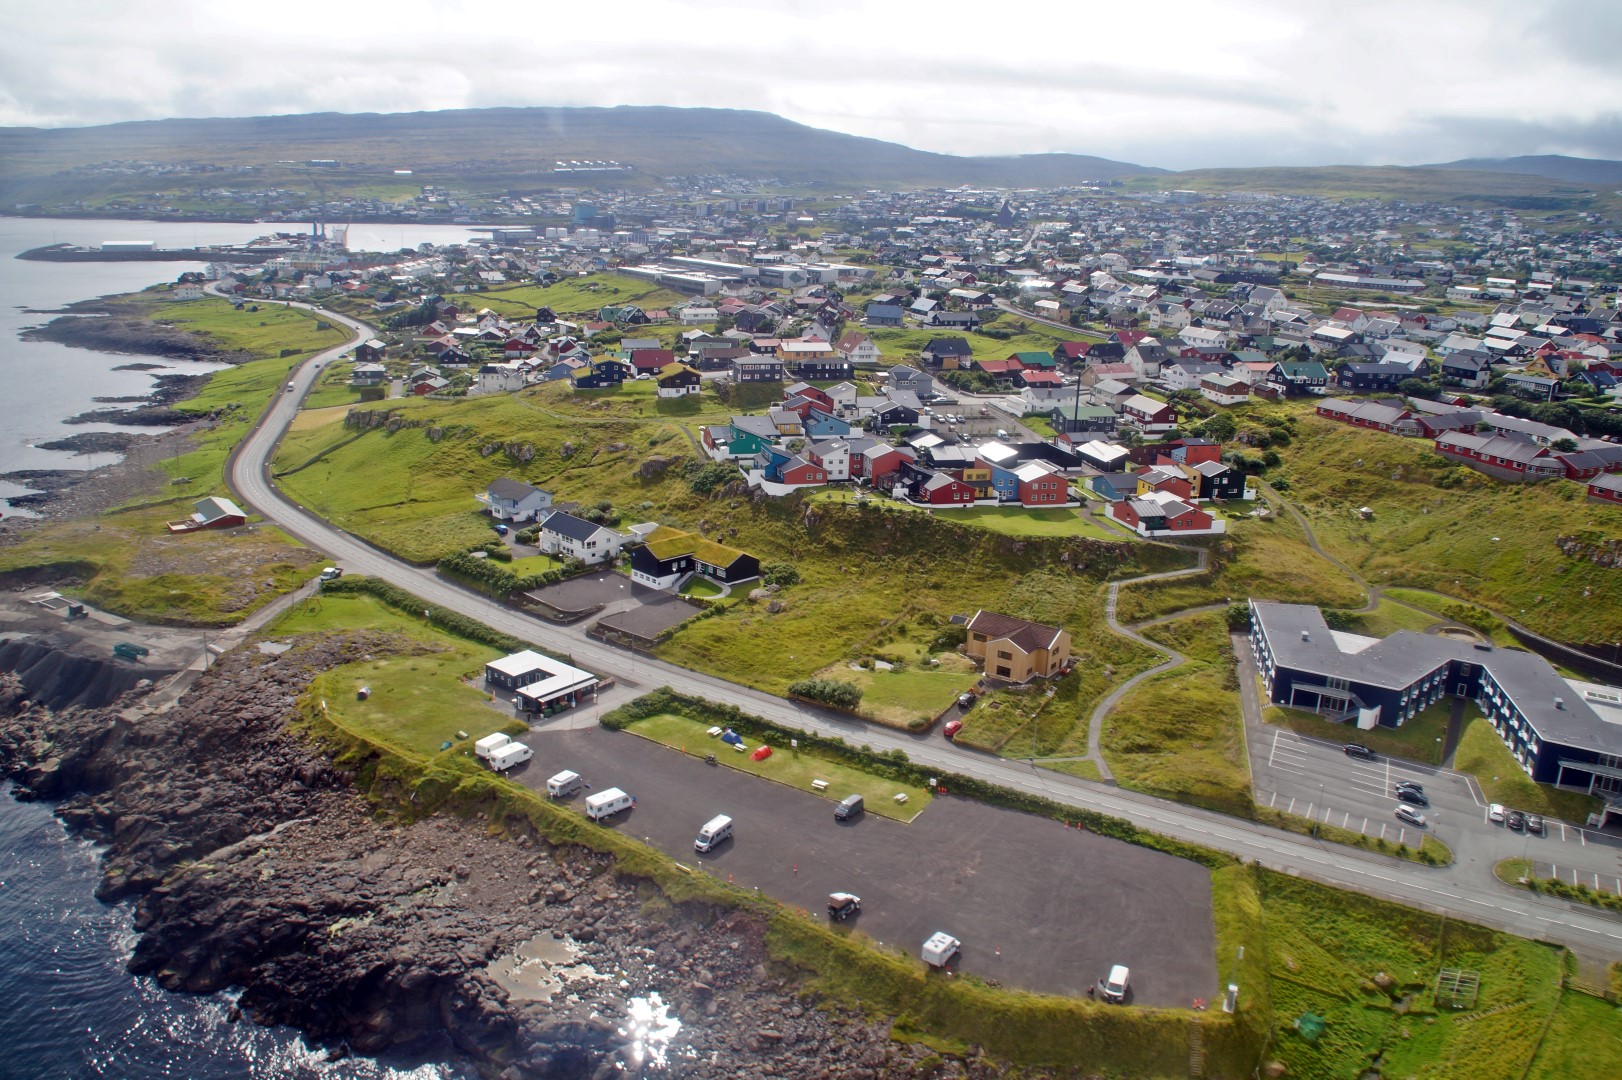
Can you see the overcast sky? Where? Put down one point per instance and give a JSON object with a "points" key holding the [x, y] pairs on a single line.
{"points": [[1168, 83]]}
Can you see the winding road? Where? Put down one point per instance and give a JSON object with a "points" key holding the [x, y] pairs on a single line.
{"points": [[1456, 891]]}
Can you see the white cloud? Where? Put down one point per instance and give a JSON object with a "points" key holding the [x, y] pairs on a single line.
{"points": [[1178, 83]]}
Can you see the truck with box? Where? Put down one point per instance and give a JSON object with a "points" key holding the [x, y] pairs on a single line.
{"points": [[607, 803], [505, 757], [563, 785]]}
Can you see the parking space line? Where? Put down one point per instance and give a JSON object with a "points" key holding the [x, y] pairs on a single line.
{"points": [[1291, 808], [1382, 830], [1365, 827], [1582, 837], [1308, 811], [1346, 820], [1326, 815], [1273, 802]]}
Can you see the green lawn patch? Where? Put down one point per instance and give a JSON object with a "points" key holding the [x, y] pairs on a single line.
{"points": [[534, 564], [795, 768], [1417, 740], [579, 296], [700, 586], [1079, 767], [419, 700], [1023, 521], [1180, 735], [1483, 755], [1387, 618], [1583, 1040]]}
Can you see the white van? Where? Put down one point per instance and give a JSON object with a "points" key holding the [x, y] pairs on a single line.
{"points": [[1114, 987], [607, 803], [514, 753], [490, 744], [715, 830], [563, 785]]}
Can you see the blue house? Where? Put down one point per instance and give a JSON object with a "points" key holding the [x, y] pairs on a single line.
{"points": [[1560, 731], [1114, 486], [820, 425], [883, 315]]}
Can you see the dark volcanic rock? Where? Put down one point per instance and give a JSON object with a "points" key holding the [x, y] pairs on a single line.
{"points": [[254, 864]]}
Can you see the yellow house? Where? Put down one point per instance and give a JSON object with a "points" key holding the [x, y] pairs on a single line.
{"points": [[1014, 650]]}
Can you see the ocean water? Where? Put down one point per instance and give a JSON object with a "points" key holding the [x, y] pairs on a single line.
{"points": [[69, 1011], [47, 383]]}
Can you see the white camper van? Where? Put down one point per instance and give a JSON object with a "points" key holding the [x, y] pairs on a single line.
{"points": [[490, 744], [715, 830], [563, 785], [940, 948], [607, 803], [505, 757]]}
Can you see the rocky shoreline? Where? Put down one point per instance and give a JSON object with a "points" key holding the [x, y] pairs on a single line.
{"points": [[254, 863]]}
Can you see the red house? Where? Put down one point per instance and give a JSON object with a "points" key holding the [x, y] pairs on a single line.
{"points": [[1040, 484], [1606, 488], [1071, 352], [1167, 478], [806, 390], [879, 464], [943, 489], [517, 349], [651, 361], [801, 471], [1148, 517]]}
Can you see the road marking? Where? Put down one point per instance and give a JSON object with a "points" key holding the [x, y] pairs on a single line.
{"points": [[1582, 837], [1307, 813], [1345, 821], [1291, 808], [1273, 802], [1365, 827]]}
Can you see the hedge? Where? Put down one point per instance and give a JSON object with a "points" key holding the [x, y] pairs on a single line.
{"points": [[492, 576], [894, 765]]}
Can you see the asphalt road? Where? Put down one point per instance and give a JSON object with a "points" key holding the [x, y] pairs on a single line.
{"points": [[1462, 890], [960, 866]]}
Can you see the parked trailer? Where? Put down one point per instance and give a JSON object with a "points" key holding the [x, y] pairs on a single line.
{"points": [[514, 753], [563, 785], [490, 744], [940, 948], [607, 803]]}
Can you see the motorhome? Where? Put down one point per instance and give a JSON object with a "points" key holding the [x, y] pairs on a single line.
{"points": [[607, 803]]}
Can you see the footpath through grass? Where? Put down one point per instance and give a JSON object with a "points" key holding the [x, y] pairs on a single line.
{"points": [[1181, 735], [795, 768]]}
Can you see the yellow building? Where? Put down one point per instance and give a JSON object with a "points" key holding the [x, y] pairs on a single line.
{"points": [[1013, 650]]}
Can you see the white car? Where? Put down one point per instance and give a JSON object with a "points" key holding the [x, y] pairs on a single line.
{"points": [[1410, 815], [1495, 812]]}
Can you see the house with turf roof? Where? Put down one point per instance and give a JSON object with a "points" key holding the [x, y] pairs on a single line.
{"points": [[669, 555]]}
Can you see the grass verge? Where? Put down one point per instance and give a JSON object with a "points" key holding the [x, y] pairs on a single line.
{"points": [[1417, 740], [794, 767], [1482, 754]]}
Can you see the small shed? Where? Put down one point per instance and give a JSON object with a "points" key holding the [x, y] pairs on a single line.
{"points": [[213, 512]]}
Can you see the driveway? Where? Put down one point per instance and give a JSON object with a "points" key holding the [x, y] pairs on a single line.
{"points": [[581, 596], [1037, 905]]}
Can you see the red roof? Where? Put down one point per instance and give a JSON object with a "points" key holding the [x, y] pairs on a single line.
{"points": [[1129, 338], [1043, 378], [999, 367], [1073, 350]]}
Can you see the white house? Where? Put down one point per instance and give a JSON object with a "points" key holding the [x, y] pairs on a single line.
{"points": [[187, 290], [833, 455], [1223, 389], [514, 500], [576, 538]]}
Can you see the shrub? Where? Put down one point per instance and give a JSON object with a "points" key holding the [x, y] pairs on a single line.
{"points": [[841, 695], [781, 574]]}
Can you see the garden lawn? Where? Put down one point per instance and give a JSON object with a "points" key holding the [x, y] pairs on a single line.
{"points": [[700, 587], [908, 698], [417, 702], [1482, 754], [1417, 740], [1180, 735], [534, 564], [795, 768], [1388, 617]]}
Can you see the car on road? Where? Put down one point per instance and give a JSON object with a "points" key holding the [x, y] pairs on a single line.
{"points": [[1409, 814], [965, 699], [1495, 812], [842, 905], [1534, 824], [1409, 795], [1411, 785], [501, 529], [332, 573], [850, 808], [952, 728], [1358, 750], [1515, 820]]}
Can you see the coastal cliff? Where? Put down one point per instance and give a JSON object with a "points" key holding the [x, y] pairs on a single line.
{"points": [[255, 863]]}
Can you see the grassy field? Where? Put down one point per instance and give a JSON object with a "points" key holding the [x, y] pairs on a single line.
{"points": [[127, 561], [1024, 521], [910, 696], [1439, 526], [1483, 755], [419, 699], [1583, 1039], [1181, 735], [795, 768], [579, 297], [1417, 740], [1329, 954], [900, 343], [1266, 558]]}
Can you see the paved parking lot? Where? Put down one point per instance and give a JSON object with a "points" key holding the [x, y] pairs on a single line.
{"points": [[580, 596], [1036, 904], [652, 613]]}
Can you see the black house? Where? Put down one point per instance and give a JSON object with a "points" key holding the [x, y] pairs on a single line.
{"points": [[1369, 378], [603, 373]]}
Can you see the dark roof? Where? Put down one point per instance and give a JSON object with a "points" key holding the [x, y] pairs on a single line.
{"points": [[948, 346], [1029, 636], [569, 525], [516, 490]]}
